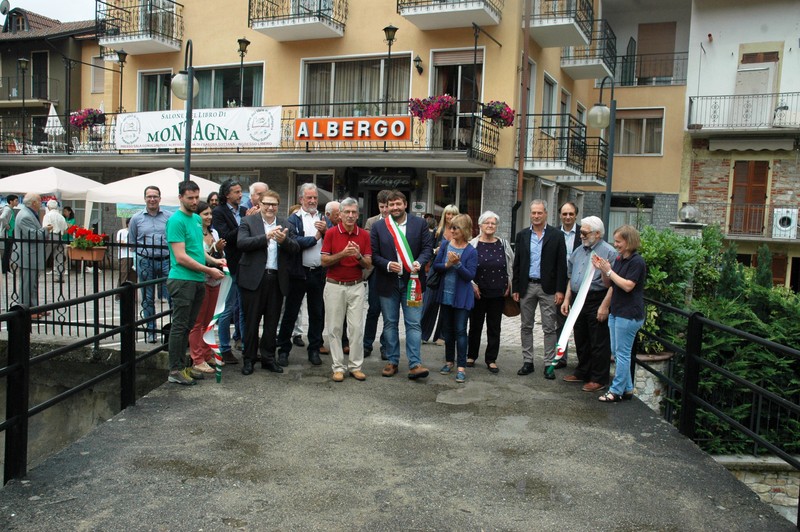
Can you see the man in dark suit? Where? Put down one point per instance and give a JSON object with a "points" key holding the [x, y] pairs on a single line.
{"points": [[572, 231], [393, 272], [540, 278], [267, 245], [226, 218]]}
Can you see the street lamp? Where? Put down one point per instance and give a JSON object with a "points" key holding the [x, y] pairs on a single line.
{"points": [[23, 68], [185, 87], [122, 55], [389, 32], [601, 117], [243, 44]]}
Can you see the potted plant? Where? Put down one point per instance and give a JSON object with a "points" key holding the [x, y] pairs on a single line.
{"points": [[85, 244], [499, 113], [430, 108], [86, 118]]}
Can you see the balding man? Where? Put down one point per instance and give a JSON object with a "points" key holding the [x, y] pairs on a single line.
{"points": [[30, 237]]}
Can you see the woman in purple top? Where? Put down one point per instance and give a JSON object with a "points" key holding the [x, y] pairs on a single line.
{"points": [[626, 315]]}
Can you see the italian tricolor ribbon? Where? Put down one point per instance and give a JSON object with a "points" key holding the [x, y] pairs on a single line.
{"points": [[574, 311], [208, 336], [414, 289]]}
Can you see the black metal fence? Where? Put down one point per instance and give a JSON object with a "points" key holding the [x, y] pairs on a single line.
{"points": [[709, 399], [146, 19]]}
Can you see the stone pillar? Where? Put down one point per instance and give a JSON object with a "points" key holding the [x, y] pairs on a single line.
{"points": [[649, 389]]}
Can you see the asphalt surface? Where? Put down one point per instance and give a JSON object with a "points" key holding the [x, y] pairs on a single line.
{"points": [[297, 451]]}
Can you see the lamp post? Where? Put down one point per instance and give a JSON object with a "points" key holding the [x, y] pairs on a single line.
{"points": [[122, 55], [389, 32], [185, 87], [23, 68], [243, 44], [601, 117]]}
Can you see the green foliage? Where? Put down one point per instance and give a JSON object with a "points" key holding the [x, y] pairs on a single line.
{"points": [[707, 267], [764, 267], [731, 276]]}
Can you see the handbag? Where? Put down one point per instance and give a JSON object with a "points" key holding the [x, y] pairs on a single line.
{"points": [[510, 307], [433, 279]]}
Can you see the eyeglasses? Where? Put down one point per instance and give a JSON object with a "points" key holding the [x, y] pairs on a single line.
{"points": [[586, 233], [567, 214], [152, 197], [455, 228], [268, 204]]}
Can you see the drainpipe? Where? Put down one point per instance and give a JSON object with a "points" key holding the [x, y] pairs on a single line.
{"points": [[523, 112]]}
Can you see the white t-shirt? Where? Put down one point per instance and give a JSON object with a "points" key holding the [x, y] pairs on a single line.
{"points": [[121, 237]]}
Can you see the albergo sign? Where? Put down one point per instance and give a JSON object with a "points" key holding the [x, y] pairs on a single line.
{"points": [[362, 129]]}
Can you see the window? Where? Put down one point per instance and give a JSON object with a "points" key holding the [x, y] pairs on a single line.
{"points": [[358, 84], [156, 94], [548, 105], [462, 190], [635, 211], [325, 185], [98, 75], [219, 87], [639, 132]]}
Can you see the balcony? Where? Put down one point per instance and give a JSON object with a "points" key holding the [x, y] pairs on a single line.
{"points": [[595, 60], [651, 70], [140, 27], [298, 20], [442, 14], [770, 113], [595, 165], [751, 221], [556, 23], [38, 91], [460, 140], [556, 145]]}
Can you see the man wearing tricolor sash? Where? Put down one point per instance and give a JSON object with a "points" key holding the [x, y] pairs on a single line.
{"points": [[401, 244]]}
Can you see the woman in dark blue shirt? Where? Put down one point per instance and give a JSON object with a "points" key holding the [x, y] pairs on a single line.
{"points": [[626, 314]]}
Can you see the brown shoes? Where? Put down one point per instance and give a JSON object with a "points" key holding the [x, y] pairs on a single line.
{"points": [[324, 350], [593, 387], [572, 378], [358, 375], [337, 376], [389, 370], [418, 372]]}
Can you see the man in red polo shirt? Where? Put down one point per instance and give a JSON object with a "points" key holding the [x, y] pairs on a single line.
{"points": [[346, 252]]}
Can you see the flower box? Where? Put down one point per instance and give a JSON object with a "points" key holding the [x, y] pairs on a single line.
{"points": [[95, 254]]}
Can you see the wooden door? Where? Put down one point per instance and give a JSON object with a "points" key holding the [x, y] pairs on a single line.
{"points": [[748, 198]]}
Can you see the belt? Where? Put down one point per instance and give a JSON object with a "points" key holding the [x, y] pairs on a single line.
{"points": [[312, 268], [535, 281], [344, 283], [269, 271], [162, 257]]}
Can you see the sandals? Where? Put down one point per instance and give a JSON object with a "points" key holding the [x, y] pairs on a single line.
{"points": [[492, 367], [470, 362], [609, 397]]}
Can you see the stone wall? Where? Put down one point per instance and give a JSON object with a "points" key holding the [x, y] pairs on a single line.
{"points": [[773, 480]]}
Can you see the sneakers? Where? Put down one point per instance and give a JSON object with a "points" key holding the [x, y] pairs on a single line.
{"points": [[446, 369], [196, 374], [460, 376], [337, 376], [418, 372], [204, 368], [181, 377]]}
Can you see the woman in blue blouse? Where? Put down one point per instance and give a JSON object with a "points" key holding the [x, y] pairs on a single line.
{"points": [[456, 263], [626, 277]]}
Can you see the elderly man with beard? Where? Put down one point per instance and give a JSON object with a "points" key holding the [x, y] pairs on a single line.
{"points": [[592, 337]]}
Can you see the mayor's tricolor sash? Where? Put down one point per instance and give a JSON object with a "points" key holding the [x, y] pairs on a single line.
{"points": [[414, 289]]}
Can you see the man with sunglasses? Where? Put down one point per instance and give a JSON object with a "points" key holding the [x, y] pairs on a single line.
{"points": [[267, 244]]}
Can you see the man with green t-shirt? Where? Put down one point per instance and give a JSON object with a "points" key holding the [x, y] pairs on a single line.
{"points": [[187, 273]]}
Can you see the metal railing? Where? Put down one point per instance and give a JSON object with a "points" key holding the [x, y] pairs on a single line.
{"points": [[757, 220], [444, 5], [596, 162], [334, 11], [603, 47], [136, 18], [477, 136], [745, 111], [651, 69], [555, 140], [36, 88], [705, 392], [581, 11]]}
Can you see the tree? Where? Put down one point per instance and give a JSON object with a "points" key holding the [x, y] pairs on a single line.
{"points": [[731, 277]]}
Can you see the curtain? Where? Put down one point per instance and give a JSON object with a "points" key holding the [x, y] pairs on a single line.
{"points": [[258, 84], [204, 100]]}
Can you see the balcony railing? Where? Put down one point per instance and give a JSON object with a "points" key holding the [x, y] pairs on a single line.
{"points": [[441, 14], [651, 69], [142, 27], [562, 22], [556, 145], [751, 220], [291, 20], [745, 111], [36, 88], [470, 133], [594, 60]]}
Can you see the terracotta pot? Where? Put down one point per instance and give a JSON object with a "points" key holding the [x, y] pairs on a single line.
{"points": [[94, 254]]}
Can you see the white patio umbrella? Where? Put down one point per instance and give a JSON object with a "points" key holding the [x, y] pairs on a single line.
{"points": [[48, 181], [53, 126]]}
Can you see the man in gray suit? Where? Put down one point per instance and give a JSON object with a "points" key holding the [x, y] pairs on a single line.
{"points": [[267, 244], [30, 237]]}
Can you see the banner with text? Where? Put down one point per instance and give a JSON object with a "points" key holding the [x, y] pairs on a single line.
{"points": [[235, 127]]}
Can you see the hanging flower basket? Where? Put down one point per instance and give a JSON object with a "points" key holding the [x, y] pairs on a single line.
{"points": [[86, 118], [95, 254], [499, 113], [430, 108]]}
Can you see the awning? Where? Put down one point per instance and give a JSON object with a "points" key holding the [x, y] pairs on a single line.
{"points": [[750, 144]]}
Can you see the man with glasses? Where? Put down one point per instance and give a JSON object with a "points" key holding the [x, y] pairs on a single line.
{"points": [[147, 230], [571, 230], [592, 337], [540, 278], [267, 245], [346, 252]]}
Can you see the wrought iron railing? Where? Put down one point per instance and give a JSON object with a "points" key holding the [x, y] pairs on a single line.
{"points": [[440, 5], [757, 220], [553, 10], [745, 111], [334, 11], [596, 162], [142, 19], [36, 88], [603, 47], [555, 140], [651, 69]]}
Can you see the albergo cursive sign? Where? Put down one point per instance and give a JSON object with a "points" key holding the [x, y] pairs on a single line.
{"points": [[353, 129]]}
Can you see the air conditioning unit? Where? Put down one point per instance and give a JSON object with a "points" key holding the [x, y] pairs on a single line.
{"points": [[784, 223]]}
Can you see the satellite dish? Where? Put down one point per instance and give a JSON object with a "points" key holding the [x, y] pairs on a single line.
{"points": [[4, 7]]}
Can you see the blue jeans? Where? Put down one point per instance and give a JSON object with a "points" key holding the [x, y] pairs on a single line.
{"points": [[623, 332], [390, 307], [454, 331], [224, 322], [152, 269]]}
